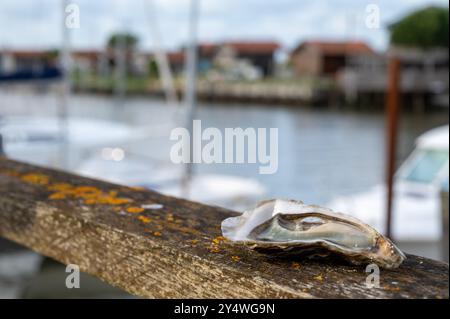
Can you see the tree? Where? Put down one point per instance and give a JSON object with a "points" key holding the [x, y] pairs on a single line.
{"points": [[425, 28], [153, 69], [129, 40]]}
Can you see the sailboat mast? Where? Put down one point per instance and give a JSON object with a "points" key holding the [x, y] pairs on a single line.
{"points": [[120, 71], [191, 83], [161, 56], [65, 87]]}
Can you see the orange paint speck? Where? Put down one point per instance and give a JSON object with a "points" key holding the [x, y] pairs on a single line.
{"points": [[90, 194], [114, 200], [219, 239], [36, 179], [295, 265], [57, 196], [135, 210], [87, 192], [319, 278], [214, 249], [60, 187], [235, 258], [393, 289], [157, 233], [144, 219]]}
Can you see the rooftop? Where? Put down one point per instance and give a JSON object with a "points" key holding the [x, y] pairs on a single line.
{"points": [[337, 47], [253, 46]]}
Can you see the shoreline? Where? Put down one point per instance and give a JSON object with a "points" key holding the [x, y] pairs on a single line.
{"points": [[373, 102]]}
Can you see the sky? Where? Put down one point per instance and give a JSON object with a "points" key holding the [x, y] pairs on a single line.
{"points": [[35, 24]]}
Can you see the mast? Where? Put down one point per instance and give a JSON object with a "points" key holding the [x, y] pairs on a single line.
{"points": [[191, 85], [161, 56], [392, 117], [120, 68], [65, 89]]}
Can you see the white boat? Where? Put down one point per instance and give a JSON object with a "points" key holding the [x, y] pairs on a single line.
{"points": [[416, 214]]}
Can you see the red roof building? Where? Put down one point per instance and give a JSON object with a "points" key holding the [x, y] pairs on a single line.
{"points": [[20, 60], [325, 58], [253, 47]]}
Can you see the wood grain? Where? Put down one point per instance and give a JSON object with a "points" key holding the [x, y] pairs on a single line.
{"points": [[175, 251]]}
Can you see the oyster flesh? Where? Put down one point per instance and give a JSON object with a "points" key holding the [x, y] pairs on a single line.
{"points": [[288, 226]]}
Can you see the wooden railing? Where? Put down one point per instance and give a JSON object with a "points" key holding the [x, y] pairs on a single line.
{"points": [[158, 246]]}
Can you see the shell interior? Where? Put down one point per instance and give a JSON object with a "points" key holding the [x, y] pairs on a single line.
{"points": [[306, 228], [287, 224]]}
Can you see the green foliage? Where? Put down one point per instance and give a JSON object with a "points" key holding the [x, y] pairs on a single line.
{"points": [[53, 54], [153, 70], [128, 39], [426, 28]]}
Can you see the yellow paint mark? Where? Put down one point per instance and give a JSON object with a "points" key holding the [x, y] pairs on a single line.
{"points": [[318, 277], [112, 193], [89, 194], [144, 219], [194, 241], [216, 243], [214, 249], [135, 210], [235, 258], [219, 239], [36, 179], [60, 187], [57, 196], [114, 200], [390, 288]]}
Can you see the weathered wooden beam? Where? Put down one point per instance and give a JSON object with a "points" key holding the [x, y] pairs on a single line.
{"points": [[123, 237]]}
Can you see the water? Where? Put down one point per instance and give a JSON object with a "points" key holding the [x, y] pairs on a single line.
{"points": [[323, 153]]}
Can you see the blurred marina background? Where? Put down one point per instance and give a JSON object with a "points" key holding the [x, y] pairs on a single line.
{"points": [[101, 98]]}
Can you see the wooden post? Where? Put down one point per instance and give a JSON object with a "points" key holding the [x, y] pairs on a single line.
{"points": [[392, 112], [2, 152]]}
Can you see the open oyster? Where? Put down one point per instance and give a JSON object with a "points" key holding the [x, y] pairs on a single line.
{"points": [[287, 226]]}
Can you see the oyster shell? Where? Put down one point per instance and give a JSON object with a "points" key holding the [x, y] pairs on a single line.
{"points": [[288, 226]]}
